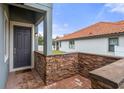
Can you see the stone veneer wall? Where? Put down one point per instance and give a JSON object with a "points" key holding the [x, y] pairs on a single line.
{"points": [[61, 66], [88, 62], [40, 65], [57, 67]]}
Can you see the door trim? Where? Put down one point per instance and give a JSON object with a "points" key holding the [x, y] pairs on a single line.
{"points": [[12, 24]]}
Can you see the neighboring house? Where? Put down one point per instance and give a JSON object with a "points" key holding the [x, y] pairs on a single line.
{"points": [[18, 35], [99, 38]]}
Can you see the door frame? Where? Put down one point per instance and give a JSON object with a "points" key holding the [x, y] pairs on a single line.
{"points": [[12, 24]]}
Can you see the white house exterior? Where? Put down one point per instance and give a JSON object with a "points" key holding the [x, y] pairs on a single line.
{"points": [[91, 44]]}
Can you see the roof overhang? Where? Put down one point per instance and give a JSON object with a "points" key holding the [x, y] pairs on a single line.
{"points": [[95, 36], [38, 15]]}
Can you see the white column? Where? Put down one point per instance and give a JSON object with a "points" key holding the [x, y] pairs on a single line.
{"points": [[48, 32]]}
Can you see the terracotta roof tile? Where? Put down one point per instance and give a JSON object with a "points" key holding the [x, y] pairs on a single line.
{"points": [[101, 28]]}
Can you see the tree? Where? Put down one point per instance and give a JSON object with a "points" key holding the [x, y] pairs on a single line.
{"points": [[40, 40]]}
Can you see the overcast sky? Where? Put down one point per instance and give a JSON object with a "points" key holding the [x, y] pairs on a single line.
{"points": [[68, 18]]}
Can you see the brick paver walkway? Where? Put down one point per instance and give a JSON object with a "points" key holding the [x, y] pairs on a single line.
{"points": [[31, 80]]}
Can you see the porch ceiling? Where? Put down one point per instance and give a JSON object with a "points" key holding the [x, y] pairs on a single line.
{"points": [[25, 15]]}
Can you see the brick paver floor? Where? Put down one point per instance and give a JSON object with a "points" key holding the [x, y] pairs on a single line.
{"points": [[30, 80], [74, 82]]}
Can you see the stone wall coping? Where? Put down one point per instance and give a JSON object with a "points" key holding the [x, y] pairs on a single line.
{"points": [[93, 54], [112, 73], [102, 55], [39, 52]]}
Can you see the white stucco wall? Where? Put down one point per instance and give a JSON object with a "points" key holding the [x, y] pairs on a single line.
{"points": [[65, 47], [4, 64], [121, 41], [93, 45]]}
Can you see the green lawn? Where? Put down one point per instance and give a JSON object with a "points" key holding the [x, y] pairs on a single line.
{"points": [[57, 52]]}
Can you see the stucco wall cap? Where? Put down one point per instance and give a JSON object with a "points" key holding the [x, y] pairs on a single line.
{"points": [[113, 72]]}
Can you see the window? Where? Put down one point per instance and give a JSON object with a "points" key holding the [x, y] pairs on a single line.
{"points": [[6, 37], [112, 43], [71, 44], [60, 44]]}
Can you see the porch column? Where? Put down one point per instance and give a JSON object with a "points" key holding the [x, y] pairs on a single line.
{"points": [[36, 38], [48, 32], [4, 64]]}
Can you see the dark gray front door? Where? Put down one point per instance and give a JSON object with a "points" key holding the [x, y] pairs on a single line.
{"points": [[22, 46]]}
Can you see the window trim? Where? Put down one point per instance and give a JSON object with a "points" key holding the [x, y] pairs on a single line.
{"points": [[6, 37], [113, 45]]}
